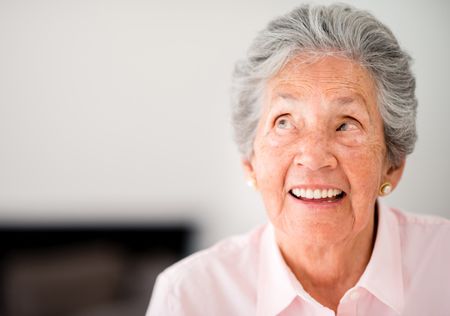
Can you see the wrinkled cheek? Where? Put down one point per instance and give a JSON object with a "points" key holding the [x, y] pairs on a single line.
{"points": [[270, 173], [274, 155], [366, 173], [271, 180], [274, 143], [280, 143]]}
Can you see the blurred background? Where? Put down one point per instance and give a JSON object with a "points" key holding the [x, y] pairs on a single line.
{"points": [[116, 151]]}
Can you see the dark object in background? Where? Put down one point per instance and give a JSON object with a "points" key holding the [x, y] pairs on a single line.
{"points": [[85, 270]]}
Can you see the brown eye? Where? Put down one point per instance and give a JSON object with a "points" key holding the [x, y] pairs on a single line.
{"points": [[283, 122]]}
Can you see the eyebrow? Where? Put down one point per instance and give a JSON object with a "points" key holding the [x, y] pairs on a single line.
{"points": [[286, 96], [343, 100], [346, 100]]}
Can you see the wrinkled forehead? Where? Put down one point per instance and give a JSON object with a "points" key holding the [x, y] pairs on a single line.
{"points": [[332, 76]]}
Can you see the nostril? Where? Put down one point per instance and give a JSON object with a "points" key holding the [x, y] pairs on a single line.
{"points": [[315, 159]]}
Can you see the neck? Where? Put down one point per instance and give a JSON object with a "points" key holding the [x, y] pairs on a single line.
{"points": [[326, 271]]}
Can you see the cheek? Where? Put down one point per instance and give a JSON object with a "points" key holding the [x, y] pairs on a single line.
{"points": [[274, 151], [271, 164], [364, 169], [280, 143], [272, 161], [351, 140]]}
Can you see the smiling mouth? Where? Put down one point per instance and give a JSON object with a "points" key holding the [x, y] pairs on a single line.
{"points": [[317, 195]]}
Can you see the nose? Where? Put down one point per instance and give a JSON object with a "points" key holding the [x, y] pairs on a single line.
{"points": [[314, 152]]}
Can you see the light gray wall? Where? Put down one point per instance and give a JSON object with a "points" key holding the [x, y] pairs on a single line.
{"points": [[118, 110]]}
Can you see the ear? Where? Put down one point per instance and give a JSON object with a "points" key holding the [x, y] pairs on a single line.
{"points": [[394, 174], [249, 171]]}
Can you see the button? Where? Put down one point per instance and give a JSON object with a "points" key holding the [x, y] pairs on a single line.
{"points": [[354, 295]]}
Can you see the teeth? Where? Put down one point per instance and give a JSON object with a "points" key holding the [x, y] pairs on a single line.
{"points": [[316, 193]]}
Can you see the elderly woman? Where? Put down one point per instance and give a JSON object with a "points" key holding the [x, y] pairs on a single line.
{"points": [[324, 114]]}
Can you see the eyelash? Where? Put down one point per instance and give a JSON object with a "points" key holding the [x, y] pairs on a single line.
{"points": [[286, 118]]}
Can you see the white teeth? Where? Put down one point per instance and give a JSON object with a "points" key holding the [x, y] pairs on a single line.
{"points": [[316, 193], [296, 192]]}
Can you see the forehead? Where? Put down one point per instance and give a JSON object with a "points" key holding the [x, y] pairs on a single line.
{"points": [[327, 76]]}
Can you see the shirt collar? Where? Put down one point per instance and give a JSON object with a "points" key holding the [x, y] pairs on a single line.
{"points": [[275, 288], [277, 285], [383, 276]]}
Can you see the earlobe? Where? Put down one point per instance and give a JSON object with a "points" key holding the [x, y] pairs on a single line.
{"points": [[394, 174], [249, 172], [385, 188]]}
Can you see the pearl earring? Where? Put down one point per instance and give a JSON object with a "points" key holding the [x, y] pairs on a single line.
{"points": [[385, 188], [251, 183]]}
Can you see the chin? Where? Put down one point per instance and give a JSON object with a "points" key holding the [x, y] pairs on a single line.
{"points": [[314, 230]]}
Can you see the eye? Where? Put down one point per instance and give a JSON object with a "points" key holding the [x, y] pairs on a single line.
{"points": [[284, 122], [347, 126]]}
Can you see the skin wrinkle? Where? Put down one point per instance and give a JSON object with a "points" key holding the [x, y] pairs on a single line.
{"points": [[288, 103], [336, 242], [353, 34]]}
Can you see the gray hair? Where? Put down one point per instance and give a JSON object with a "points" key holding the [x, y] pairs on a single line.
{"points": [[340, 28]]}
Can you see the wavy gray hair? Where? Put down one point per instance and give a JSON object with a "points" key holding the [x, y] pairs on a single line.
{"points": [[340, 29]]}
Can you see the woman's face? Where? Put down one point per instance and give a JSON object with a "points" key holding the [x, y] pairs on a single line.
{"points": [[319, 152]]}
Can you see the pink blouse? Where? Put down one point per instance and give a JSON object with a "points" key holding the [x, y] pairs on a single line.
{"points": [[408, 274]]}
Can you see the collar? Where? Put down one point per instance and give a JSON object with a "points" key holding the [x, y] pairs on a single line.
{"points": [[277, 285], [383, 276], [275, 291]]}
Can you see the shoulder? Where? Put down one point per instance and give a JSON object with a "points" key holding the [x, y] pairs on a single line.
{"points": [[227, 254], [425, 225], [425, 245], [223, 275], [425, 232], [406, 218]]}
